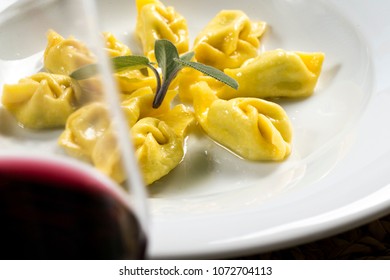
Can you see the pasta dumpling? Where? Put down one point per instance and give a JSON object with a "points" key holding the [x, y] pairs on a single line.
{"points": [[156, 21], [159, 143], [88, 135], [276, 73], [66, 55], [158, 148], [159, 134], [189, 76], [63, 56], [83, 130], [180, 118], [130, 80], [228, 40], [106, 157], [114, 47], [139, 105], [42, 100], [252, 128]]}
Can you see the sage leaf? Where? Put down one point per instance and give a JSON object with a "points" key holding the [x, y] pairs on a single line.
{"points": [[210, 71], [168, 61], [118, 63], [85, 72], [130, 61], [166, 53], [187, 56]]}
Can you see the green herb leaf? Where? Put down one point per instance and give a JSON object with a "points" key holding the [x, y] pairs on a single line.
{"points": [[210, 71], [187, 56], [169, 62], [118, 63], [166, 55], [85, 72], [130, 61]]}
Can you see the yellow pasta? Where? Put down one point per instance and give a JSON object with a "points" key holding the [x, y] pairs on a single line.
{"points": [[276, 73], [42, 100], [240, 120], [187, 77], [253, 128], [106, 156], [158, 135], [156, 21], [83, 130], [158, 148], [228, 40], [130, 80], [63, 56], [114, 47], [159, 142], [139, 105], [88, 135]]}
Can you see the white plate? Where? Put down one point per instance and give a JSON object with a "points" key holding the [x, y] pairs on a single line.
{"points": [[336, 177], [216, 205]]}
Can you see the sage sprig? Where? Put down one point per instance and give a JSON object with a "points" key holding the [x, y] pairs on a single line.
{"points": [[166, 56], [118, 63], [168, 61]]}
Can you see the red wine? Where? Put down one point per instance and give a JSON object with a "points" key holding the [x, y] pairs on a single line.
{"points": [[49, 210]]}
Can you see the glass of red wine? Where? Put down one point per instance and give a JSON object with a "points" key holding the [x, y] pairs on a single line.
{"points": [[70, 186]]}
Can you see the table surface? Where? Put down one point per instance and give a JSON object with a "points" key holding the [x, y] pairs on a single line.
{"points": [[368, 242]]}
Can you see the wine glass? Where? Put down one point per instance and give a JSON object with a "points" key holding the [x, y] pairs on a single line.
{"points": [[70, 186]]}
